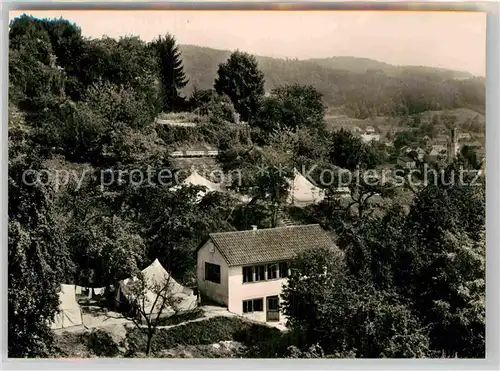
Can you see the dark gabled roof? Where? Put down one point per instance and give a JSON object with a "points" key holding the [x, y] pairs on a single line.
{"points": [[269, 245], [406, 159]]}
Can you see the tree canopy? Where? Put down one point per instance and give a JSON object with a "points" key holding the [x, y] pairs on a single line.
{"points": [[418, 275], [292, 107], [242, 81]]}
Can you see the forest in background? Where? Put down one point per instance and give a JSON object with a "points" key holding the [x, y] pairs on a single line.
{"points": [[362, 87], [411, 283]]}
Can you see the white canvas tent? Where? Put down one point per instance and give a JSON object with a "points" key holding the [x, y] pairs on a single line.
{"points": [[70, 313], [196, 179], [244, 198], [156, 275], [303, 191]]}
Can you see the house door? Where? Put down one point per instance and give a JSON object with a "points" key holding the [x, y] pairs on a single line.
{"points": [[272, 309]]}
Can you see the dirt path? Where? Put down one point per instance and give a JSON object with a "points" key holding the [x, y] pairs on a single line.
{"points": [[106, 319], [116, 325]]}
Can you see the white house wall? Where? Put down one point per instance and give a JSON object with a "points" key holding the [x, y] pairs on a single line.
{"points": [[239, 291], [369, 137], [212, 290]]}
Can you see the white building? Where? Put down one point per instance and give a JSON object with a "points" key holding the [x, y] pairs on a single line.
{"points": [[420, 153], [406, 162], [246, 270], [482, 169], [463, 136], [453, 147], [176, 123], [368, 137]]}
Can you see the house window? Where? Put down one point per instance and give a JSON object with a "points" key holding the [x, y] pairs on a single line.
{"points": [[272, 271], [212, 272], [258, 305], [260, 274], [247, 306], [283, 269], [253, 305], [247, 274], [272, 303], [272, 313]]}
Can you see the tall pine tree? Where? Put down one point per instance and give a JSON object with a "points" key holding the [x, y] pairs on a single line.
{"points": [[171, 71]]}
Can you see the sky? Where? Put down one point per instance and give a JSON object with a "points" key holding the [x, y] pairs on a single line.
{"points": [[454, 40]]}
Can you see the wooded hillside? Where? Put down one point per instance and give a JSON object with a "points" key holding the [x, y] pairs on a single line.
{"points": [[363, 86]]}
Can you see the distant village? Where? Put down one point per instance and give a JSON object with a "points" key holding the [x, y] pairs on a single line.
{"points": [[445, 146]]}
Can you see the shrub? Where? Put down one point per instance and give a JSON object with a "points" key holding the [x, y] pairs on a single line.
{"points": [[277, 345], [71, 344], [101, 344], [181, 317], [204, 332], [254, 334]]}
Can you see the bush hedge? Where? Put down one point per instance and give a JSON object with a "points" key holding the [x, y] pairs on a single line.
{"points": [[205, 332], [101, 344]]}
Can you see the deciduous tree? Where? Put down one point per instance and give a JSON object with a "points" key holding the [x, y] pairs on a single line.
{"points": [[148, 300], [343, 314], [36, 258], [292, 107], [242, 81]]}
